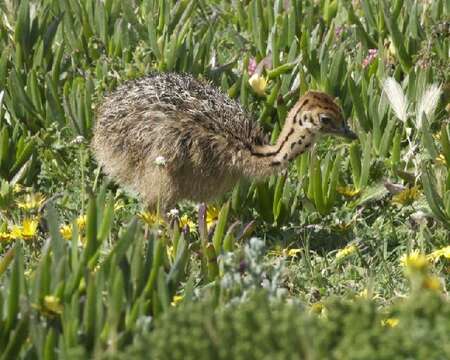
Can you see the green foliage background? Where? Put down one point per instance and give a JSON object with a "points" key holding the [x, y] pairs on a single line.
{"points": [[335, 225]]}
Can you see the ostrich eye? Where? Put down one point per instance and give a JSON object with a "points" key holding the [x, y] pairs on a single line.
{"points": [[326, 120]]}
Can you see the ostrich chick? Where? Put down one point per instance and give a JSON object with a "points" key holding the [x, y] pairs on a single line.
{"points": [[207, 140]]}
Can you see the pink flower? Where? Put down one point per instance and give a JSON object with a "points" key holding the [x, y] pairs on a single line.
{"points": [[251, 66], [373, 53], [338, 31]]}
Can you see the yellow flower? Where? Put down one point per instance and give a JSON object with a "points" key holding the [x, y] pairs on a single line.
{"points": [[258, 84], [348, 250], [29, 228], [364, 294], [348, 191], [185, 221], [28, 273], [390, 322], [343, 226], [437, 254], [17, 188], [391, 49], [27, 231], [151, 218], [432, 282], [176, 300], [278, 251], [81, 222], [31, 202], [446, 252], [294, 252], [170, 251], [53, 304], [4, 236], [16, 232], [212, 214], [119, 205], [66, 232], [407, 196], [440, 159], [414, 261], [317, 308]]}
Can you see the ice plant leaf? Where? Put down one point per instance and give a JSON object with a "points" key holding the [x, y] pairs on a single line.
{"points": [[433, 198], [219, 232], [6, 259]]}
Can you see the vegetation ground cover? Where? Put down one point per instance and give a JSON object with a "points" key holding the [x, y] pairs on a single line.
{"points": [[345, 256]]}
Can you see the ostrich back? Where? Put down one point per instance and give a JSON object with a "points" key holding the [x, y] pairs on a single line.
{"points": [[192, 124], [186, 102]]}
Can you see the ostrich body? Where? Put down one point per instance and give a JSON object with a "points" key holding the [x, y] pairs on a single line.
{"points": [[208, 141]]}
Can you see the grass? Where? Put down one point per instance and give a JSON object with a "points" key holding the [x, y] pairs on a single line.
{"points": [[86, 272]]}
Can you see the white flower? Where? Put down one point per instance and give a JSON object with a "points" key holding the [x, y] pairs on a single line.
{"points": [[78, 140], [160, 161], [173, 212], [428, 103], [419, 217], [396, 98]]}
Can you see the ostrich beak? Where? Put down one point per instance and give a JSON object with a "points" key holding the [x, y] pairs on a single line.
{"points": [[347, 133]]}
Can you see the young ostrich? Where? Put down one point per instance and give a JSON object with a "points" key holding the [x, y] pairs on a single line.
{"points": [[207, 140]]}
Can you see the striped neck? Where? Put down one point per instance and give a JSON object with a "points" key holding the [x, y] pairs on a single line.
{"points": [[314, 113], [298, 135]]}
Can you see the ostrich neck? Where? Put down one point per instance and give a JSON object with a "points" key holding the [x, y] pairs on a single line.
{"points": [[294, 139]]}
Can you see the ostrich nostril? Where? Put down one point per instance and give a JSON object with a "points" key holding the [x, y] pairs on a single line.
{"points": [[349, 134]]}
